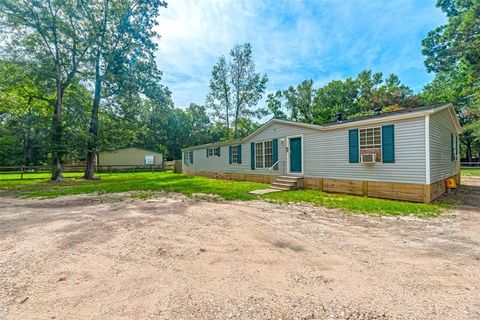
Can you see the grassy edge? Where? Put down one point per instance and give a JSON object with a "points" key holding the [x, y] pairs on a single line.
{"points": [[144, 183]]}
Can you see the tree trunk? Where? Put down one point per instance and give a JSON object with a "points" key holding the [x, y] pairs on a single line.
{"points": [[92, 143], [24, 147], [236, 125], [228, 126], [57, 151], [469, 151]]}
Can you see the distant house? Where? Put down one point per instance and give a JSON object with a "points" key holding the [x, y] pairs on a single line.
{"points": [[404, 155], [129, 157]]}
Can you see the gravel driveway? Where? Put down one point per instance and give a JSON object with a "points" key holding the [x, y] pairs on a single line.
{"points": [[112, 257]]}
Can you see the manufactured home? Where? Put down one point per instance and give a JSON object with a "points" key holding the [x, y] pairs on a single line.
{"points": [[403, 155], [129, 157]]}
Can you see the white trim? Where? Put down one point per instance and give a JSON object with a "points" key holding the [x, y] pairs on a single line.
{"points": [[288, 155], [453, 114], [427, 149]]}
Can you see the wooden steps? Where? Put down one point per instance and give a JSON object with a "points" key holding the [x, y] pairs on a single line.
{"points": [[287, 183]]}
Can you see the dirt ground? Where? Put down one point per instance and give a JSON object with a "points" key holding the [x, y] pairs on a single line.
{"points": [[171, 257]]}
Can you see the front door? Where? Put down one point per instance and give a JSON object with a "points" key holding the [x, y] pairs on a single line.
{"points": [[296, 155]]}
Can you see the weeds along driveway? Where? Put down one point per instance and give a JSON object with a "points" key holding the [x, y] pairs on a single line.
{"points": [[113, 257]]}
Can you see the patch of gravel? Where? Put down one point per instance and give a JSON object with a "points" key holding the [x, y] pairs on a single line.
{"points": [[168, 256]]}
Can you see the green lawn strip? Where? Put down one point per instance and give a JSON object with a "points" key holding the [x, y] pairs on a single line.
{"points": [[356, 204], [229, 190], [471, 172], [146, 181]]}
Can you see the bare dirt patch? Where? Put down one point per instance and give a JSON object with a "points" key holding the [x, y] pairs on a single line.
{"points": [[171, 257]]}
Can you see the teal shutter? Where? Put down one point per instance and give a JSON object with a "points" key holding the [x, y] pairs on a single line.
{"points": [[191, 157], [239, 153], [239, 148], [252, 155], [230, 154], [388, 144], [218, 153], [275, 153], [207, 152], [353, 145]]}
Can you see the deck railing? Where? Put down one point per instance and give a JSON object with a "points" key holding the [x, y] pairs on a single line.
{"points": [[278, 167]]}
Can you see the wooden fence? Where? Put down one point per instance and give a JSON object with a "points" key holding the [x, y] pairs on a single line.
{"points": [[25, 170], [475, 164]]}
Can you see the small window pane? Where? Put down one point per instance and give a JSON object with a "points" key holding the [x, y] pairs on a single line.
{"points": [[268, 154], [234, 154], [371, 141], [149, 159], [259, 155]]}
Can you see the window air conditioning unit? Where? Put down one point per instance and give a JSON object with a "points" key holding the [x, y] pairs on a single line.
{"points": [[369, 158]]}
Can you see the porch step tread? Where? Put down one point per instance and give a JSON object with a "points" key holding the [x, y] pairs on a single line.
{"points": [[290, 178], [280, 188], [283, 184], [285, 181]]}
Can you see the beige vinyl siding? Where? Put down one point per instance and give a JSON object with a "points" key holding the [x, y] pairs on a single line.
{"points": [[441, 164], [128, 156], [326, 154]]}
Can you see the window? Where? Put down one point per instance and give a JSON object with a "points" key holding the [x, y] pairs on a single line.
{"points": [[259, 155], [371, 142], [268, 147], [209, 152], [149, 159], [235, 154], [264, 154], [216, 151], [370, 138], [188, 157]]}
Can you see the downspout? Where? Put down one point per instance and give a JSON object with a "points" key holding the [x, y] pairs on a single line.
{"points": [[427, 149]]}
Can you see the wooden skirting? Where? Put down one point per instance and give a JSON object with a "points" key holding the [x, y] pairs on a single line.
{"points": [[387, 190], [343, 186]]}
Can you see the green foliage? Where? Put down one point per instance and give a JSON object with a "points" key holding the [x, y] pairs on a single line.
{"points": [[299, 101], [452, 51], [26, 98], [274, 105], [457, 43], [235, 90], [352, 97]]}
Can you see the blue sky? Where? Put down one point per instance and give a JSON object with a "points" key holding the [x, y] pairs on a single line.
{"points": [[294, 40]]}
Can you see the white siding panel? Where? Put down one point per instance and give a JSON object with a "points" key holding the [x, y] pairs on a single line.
{"points": [[326, 154], [441, 164]]}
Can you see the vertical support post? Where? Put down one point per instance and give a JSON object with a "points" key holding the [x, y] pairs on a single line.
{"points": [[427, 149], [21, 172]]}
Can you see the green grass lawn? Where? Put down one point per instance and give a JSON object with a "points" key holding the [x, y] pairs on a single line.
{"points": [[471, 172], [122, 182], [37, 185]]}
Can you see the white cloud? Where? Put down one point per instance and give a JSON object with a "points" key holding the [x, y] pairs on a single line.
{"points": [[292, 40]]}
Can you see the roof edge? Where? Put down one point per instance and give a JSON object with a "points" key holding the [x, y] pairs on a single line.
{"points": [[334, 126]]}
